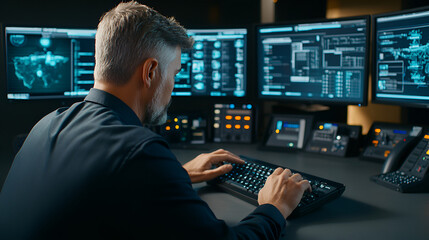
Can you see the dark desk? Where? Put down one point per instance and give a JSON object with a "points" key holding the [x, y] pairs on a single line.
{"points": [[365, 210]]}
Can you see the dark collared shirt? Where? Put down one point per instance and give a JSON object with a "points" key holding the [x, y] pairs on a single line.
{"points": [[92, 171]]}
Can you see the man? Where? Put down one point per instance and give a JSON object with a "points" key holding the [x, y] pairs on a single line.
{"points": [[92, 171]]}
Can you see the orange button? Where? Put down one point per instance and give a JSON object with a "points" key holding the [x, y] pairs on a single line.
{"points": [[228, 126], [427, 152], [238, 118], [386, 153], [377, 130], [246, 126], [228, 117], [237, 126], [247, 118], [168, 128], [177, 126], [426, 136]]}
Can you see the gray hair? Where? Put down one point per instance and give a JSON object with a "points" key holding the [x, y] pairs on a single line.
{"points": [[131, 33]]}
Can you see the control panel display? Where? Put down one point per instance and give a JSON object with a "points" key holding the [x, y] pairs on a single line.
{"points": [[233, 123], [184, 129]]}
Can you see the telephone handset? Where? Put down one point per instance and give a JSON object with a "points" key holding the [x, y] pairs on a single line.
{"points": [[398, 154], [412, 176]]}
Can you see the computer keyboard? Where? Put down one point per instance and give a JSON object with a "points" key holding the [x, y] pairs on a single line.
{"points": [[398, 180], [246, 180]]}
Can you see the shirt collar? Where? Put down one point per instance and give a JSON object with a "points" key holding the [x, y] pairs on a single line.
{"points": [[108, 100]]}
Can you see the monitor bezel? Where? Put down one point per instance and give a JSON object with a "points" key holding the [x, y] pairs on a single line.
{"points": [[64, 99], [249, 87], [334, 102], [374, 98]]}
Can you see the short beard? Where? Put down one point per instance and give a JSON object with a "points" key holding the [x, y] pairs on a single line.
{"points": [[156, 114]]}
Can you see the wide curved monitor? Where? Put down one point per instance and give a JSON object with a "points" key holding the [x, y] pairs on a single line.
{"points": [[48, 63], [322, 61], [216, 66], [401, 58]]}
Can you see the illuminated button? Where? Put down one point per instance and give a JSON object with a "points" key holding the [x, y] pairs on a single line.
{"points": [[321, 127], [386, 153], [217, 111], [246, 118], [277, 131], [427, 152], [228, 126], [238, 118], [426, 136], [176, 119], [324, 149], [375, 142], [377, 131], [246, 126], [177, 126], [185, 121], [168, 128], [228, 117], [216, 125], [237, 126]]}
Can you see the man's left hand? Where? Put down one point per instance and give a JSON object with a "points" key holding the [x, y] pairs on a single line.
{"points": [[200, 168]]}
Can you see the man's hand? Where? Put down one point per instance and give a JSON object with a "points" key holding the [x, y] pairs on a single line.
{"points": [[200, 168], [283, 190]]}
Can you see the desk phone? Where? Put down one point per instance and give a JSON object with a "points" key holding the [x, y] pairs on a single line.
{"points": [[388, 142], [412, 176]]}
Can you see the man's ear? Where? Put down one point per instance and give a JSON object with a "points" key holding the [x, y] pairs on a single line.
{"points": [[149, 68]]}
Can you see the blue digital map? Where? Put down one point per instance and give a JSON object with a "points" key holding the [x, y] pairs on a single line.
{"points": [[38, 69]]}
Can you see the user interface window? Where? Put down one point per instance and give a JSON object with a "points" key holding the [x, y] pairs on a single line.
{"points": [[324, 61], [402, 58], [49, 62], [216, 66]]}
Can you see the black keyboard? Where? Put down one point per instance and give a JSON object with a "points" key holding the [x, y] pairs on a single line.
{"points": [[246, 180], [398, 180]]}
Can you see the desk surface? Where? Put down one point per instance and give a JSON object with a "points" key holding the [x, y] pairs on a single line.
{"points": [[365, 210]]}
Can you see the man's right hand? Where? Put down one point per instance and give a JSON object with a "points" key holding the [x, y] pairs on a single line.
{"points": [[283, 190]]}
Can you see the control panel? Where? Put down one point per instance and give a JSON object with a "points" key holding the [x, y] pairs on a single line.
{"points": [[384, 138], [233, 123], [335, 139], [185, 129]]}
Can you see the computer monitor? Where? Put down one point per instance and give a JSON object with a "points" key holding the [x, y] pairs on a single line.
{"points": [[47, 63], [216, 66], [401, 58], [322, 61]]}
